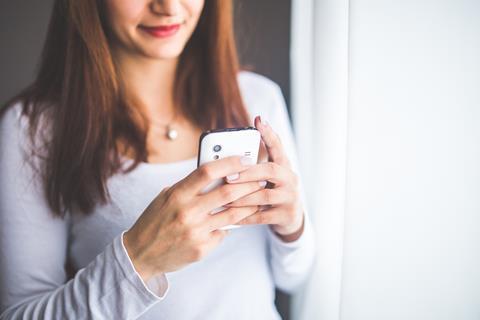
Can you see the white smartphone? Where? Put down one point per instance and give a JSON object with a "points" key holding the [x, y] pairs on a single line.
{"points": [[220, 143]]}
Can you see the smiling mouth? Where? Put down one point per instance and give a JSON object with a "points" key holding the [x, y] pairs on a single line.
{"points": [[164, 31]]}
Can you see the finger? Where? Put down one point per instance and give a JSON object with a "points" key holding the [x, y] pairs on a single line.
{"points": [[270, 216], [216, 237], [272, 142], [201, 177], [229, 216], [225, 194], [262, 152], [268, 171], [263, 197]]}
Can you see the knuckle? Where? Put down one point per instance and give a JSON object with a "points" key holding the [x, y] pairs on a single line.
{"points": [[190, 235], [182, 221], [206, 172], [268, 195], [198, 252], [226, 192], [262, 218], [183, 217], [173, 195]]}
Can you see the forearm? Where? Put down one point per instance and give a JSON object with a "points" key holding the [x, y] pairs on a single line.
{"points": [[108, 288]]}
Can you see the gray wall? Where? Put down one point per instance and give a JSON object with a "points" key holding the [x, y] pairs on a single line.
{"points": [[263, 34], [22, 31]]}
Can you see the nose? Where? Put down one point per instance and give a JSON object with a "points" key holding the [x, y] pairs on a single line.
{"points": [[166, 7]]}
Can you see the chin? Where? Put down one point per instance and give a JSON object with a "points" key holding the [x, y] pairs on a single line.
{"points": [[164, 53]]}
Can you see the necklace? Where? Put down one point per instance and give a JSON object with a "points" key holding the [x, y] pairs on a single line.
{"points": [[170, 132]]}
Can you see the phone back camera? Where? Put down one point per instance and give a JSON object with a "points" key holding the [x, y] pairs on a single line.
{"points": [[217, 148]]}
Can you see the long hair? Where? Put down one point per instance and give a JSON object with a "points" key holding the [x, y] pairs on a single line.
{"points": [[78, 97]]}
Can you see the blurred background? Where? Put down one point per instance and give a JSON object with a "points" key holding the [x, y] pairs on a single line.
{"points": [[385, 102]]}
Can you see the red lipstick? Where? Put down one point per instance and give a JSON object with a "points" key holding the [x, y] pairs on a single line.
{"points": [[162, 31]]}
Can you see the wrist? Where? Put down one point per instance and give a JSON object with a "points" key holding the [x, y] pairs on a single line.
{"points": [[141, 268], [292, 234]]}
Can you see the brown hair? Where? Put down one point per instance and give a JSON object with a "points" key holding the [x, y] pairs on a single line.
{"points": [[87, 110]]}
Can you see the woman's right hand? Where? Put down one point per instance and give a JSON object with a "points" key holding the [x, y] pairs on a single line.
{"points": [[177, 228]]}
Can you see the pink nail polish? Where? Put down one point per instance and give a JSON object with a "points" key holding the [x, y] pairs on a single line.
{"points": [[233, 177]]}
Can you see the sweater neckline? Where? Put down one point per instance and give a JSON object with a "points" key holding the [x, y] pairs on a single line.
{"points": [[163, 165]]}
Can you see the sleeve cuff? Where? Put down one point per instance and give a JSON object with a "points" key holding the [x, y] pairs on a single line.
{"points": [[155, 289], [291, 262], [278, 242]]}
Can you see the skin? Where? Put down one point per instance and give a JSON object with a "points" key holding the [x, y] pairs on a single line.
{"points": [[177, 229]]}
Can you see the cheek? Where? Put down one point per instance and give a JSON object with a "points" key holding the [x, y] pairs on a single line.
{"points": [[194, 8], [124, 14]]}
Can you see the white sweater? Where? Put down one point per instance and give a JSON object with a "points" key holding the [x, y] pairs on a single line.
{"points": [[235, 281]]}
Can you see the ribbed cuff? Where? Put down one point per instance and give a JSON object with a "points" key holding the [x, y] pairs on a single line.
{"points": [[154, 290]]}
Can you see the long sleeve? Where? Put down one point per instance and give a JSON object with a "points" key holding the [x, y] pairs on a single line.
{"points": [[33, 252], [291, 262]]}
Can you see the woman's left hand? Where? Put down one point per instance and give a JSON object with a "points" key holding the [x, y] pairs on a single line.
{"points": [[280, 200]]}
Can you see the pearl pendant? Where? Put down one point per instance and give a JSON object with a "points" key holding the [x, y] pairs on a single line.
{"points": [[172, 134]]}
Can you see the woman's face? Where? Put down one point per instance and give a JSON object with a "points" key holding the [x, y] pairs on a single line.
{"points": [[157, 29]]}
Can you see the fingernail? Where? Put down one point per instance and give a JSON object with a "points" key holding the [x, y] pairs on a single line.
{"points": [[233, 177], [246, 161], [262, 183]]}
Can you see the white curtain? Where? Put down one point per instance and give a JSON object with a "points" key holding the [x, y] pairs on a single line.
{"points": [[319, 72], [386, 111]]}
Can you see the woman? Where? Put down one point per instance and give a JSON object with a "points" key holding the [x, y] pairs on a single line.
{"points": [[98, 173]]}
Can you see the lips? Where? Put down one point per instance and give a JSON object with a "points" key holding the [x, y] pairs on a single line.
{"points": [[161, 31]]}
